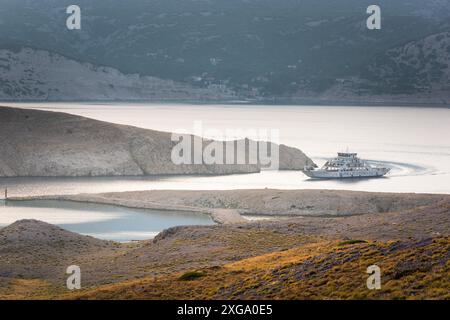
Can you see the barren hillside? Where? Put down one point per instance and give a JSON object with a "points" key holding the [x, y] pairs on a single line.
{"points": [[305, 257], [42, 143]]}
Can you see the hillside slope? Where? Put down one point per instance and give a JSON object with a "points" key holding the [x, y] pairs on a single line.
{"points": [[40, 75], [41, 143], [320, 51], [34, 245], [306, 257], [328, 270]]}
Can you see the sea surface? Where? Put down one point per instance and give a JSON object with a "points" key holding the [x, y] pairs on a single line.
{"points": [[100, 221], [414, 142]]}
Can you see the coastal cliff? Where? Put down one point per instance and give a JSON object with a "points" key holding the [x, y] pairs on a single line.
{"points": [[42, 143]]}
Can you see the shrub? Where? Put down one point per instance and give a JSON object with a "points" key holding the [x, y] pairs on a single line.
{"points": [[344, 243], [191, 275]]}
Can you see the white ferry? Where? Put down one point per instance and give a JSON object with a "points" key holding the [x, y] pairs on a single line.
{"points": [[346, 165]]}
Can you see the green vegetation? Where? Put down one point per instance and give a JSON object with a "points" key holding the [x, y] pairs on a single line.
{"points": [[191, 275], [273, 47], [348, 242]]}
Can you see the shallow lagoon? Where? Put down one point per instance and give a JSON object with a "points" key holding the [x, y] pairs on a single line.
{"points": [[100, 221]]}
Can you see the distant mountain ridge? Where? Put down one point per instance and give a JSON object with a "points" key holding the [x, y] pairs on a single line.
{"points": [[40, 75], [229, 49]]}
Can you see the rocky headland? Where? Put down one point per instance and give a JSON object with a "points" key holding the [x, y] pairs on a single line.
{"points": [[37, 143]]}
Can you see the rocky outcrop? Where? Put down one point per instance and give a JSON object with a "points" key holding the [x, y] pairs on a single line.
{"points": [[41, 143]]}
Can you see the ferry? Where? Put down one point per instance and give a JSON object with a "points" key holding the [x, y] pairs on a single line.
{"points": [[345, 165]]}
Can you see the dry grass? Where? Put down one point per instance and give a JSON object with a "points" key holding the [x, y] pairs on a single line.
{"points": [[326, 270], [303, 258], [20, 289]]}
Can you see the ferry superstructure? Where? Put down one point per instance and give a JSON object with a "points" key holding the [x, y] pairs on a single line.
{"points": [[345, 165]]}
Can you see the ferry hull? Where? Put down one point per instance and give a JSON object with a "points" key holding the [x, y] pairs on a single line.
{"points": [[325, 174]]}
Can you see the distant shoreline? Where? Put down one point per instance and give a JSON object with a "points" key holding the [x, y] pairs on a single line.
{"points": [[258, 102], [229, 207]]}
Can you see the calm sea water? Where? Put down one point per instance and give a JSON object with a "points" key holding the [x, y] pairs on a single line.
{"points": [[100, 221], [415, 142]]}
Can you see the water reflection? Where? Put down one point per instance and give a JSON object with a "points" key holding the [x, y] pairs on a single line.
{"points": [[100, 221]]}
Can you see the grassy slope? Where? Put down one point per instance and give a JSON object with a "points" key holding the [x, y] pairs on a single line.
{"points": [[302, 258], [331, 269]]}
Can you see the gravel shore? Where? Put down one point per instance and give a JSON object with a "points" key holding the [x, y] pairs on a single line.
{"points": [[227, 206]]}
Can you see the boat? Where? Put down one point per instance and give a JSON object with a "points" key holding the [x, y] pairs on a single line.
{"points": [[346, 165]]}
